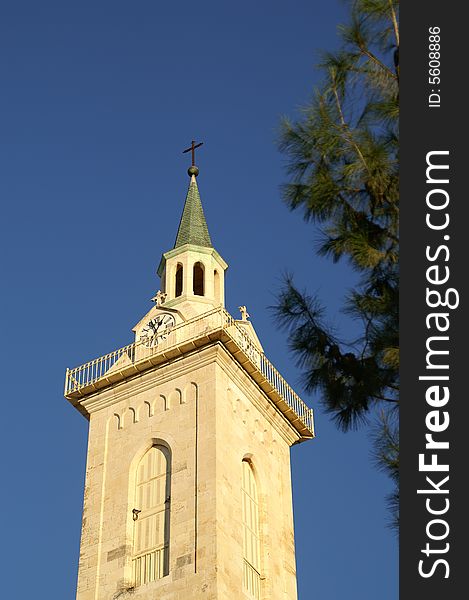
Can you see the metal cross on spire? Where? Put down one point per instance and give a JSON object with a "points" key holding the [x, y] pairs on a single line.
{"points": [[192, 148]]}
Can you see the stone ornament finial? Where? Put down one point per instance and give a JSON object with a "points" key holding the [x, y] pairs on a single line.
{"points": [[159, 298], [244, 313]]}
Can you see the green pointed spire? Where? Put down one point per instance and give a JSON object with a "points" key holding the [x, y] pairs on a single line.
{"points": [[193, 226]]}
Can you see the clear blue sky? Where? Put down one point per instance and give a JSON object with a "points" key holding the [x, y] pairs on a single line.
{"points": [[97, 101]]}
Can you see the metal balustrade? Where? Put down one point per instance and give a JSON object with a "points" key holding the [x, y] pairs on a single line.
{"points": [[212, 325], [149, 566], [251, 580]]}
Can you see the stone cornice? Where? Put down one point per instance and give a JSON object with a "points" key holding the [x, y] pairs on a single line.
{"points": [[146, 380], [95, 379], [190, 248], [215, 353]]}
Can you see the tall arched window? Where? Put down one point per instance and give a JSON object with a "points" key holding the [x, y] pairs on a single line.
{"points": [[151, 516], [198, 279], [216, 285], [251, 567], [178, 291]]}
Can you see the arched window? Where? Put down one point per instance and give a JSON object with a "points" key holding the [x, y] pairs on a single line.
{"points": [[179, 272], [251, 568], [151, 516], [198, 279], [216, 285]]}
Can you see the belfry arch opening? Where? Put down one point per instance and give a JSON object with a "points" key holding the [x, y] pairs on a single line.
{"points": [[198, 279], [216, 285], [179, 273]]}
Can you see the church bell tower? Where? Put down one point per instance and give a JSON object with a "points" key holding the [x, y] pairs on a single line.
{"points": [[188, 488]]}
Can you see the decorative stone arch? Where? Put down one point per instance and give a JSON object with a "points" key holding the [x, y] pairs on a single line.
{"points": [[258, 430], [160, 404], [129, 416], [175, 397], [117, 420], [191, 392], [145, 410], [168, 441]]}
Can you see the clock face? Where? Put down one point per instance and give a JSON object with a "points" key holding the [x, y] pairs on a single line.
{"points": [[157, 329]]}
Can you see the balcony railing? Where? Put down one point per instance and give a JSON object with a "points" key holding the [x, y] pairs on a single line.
{"points": [[251, 581], [150, 566], [216, 324]]}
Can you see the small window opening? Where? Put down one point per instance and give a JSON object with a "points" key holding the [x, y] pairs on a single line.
{"points": [[216, 285], [198, 279], [178, 280]]}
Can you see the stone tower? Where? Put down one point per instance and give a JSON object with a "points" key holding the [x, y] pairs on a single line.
{"points": [[188, 489]]}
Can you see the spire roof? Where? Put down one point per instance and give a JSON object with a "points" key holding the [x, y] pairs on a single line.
{"points": [[193, 226]]}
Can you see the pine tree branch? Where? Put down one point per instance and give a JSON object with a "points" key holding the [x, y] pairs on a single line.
{"points": [[345, 126], [394, 22], [364, 50], [393, 400], [343, 155]]}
